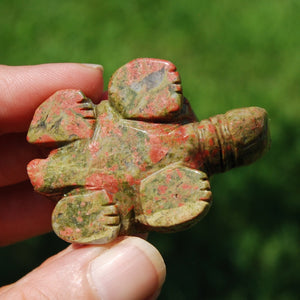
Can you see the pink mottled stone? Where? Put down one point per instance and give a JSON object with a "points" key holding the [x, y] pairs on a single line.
{"points": [[138, 161]]}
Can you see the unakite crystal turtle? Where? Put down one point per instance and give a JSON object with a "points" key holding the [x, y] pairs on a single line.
{"points": [[138, 161]]}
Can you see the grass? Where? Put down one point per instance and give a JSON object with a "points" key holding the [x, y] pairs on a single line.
{"points": [[230, 54]]}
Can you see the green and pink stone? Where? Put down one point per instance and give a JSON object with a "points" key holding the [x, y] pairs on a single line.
{"points": [[139, 161]]}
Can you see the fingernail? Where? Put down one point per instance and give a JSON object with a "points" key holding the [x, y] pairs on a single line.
{"points": [[132, 269], [94, 66]]}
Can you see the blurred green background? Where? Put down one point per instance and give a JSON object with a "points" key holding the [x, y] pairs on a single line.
{"points": [[230, 54]]}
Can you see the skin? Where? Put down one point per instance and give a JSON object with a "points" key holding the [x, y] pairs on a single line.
{"points": [[78, 272]]}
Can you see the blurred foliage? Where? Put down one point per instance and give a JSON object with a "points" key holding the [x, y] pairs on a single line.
{"points": [[230, 54]]}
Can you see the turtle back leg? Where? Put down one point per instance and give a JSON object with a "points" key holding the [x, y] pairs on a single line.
{"points": [[87, 217], [174, 198]]}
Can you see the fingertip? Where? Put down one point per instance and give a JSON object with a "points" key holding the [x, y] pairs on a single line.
{"points": [[134, 265], [129, 268]]}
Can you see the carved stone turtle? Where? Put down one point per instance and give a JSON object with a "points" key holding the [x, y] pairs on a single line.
{"points": [[138, 161]]}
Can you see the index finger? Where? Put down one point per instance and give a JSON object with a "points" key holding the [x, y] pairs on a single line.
{"points": [[23, 88]]}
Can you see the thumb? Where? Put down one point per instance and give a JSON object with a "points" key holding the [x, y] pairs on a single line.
{"points": [[130, 268]]}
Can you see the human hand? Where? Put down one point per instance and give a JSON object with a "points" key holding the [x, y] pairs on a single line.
{"points": [[129, 268]]}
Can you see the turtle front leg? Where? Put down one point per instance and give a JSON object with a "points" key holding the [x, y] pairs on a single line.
{"points": [[174, 198], [88, 217]]}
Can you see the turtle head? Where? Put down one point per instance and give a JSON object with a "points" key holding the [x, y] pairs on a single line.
{"points": [[64, 117], [250, 136], [237, 138]]}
